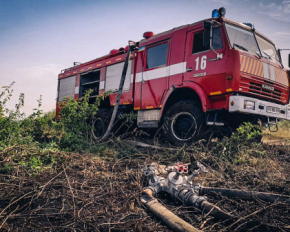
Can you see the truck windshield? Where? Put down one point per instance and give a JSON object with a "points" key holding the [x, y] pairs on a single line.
{"points": [[245, 40], [268, 50], [242, 39]]}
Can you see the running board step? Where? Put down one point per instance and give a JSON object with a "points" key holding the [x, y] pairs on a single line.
{"points": [[215, 123], [273, 123], [148, 124], [148, 118], [212, 120]]}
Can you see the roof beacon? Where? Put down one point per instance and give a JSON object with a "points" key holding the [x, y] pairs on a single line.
{"points": [[216, 13], [148, 34], [222, 12]]}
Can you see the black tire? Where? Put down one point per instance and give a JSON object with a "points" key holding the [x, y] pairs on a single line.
{"points": [[100, 123], [184, 122]]}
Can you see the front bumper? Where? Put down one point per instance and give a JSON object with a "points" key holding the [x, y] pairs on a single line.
{"points": [[263, 108]]}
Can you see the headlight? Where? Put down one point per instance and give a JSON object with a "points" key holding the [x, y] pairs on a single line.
{"points": [[274, 110], [249, 105]]}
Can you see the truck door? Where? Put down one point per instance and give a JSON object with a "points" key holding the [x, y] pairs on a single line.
{"points": [[203, 65], [154, 77]]}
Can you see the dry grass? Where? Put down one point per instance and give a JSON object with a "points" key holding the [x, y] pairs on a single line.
{"points": [[282, 136], [89, 193]]}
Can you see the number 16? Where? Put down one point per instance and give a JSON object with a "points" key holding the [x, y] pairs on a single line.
{"points": [[202, 63]]}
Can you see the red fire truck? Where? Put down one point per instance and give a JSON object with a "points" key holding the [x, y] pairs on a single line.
{"points": [[209, 73]]}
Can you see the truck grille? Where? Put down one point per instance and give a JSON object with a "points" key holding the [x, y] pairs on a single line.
{"points": [[257, 89]]}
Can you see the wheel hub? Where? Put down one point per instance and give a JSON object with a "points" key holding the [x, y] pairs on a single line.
{"points": [[98, 128], [184, 126]]}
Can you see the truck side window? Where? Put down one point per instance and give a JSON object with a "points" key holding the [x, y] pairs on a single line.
{"points": [[200, 37], [157, 56], [198, 45]]}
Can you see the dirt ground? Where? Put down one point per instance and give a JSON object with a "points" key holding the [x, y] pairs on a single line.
{"points": [[99, 192]]}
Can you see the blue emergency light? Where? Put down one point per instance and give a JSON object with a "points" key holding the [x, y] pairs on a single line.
{"points": [[216, 13]]}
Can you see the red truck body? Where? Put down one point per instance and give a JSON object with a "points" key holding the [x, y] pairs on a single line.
{"points": [[220, 79]]}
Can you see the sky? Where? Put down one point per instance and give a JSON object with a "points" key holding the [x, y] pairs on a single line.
{"points": [[39, 38]]}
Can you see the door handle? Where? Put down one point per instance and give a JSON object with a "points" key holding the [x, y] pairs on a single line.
{"points": [[189, 70]]}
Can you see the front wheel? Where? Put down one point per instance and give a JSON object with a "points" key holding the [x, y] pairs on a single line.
{"points": [[101, 123], [183, 122]]}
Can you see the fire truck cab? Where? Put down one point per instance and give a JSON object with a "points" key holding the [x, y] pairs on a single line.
{"points": [[209, 73]]}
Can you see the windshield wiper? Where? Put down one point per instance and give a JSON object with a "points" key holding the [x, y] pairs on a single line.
{"points": [[240, 47], [245, 49], [269, 57], [273, 56], [260, 56]]}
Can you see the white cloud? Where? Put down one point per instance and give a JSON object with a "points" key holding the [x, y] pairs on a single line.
{"points": [[287, 9], [277, 11], [283, 33]]}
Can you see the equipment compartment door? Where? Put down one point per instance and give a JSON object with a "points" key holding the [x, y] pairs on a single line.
{"points": [[154, 77]]}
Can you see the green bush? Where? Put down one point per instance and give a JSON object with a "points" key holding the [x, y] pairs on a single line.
{"points": [[71, 132], [242, 143], [34, 143], [10, 130]]}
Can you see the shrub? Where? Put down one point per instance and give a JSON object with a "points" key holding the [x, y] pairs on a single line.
{"points": [[75, 122], [71, 132], [10, 132], [242, 144]]}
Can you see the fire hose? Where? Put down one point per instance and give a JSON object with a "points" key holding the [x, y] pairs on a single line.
{"points": [[247, 195], [166, 216], [131, 47]]}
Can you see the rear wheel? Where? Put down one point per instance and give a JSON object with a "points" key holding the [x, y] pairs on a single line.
{"points": [[184, 122], [101, 123]]}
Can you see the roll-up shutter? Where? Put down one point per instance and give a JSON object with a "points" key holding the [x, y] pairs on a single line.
{"points": [[113, 77], [67, 88]]}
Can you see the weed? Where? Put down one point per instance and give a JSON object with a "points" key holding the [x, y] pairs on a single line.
{"points": [[6, 168]]}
